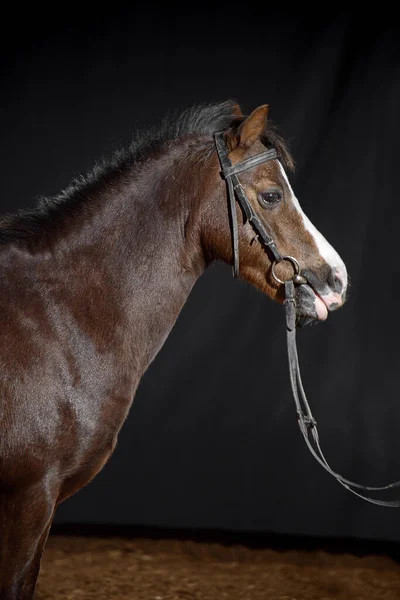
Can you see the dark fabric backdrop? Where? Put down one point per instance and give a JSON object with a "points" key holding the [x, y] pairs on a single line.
{"points": [[212, 440]]}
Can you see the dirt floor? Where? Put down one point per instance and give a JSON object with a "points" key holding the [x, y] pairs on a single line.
{"points": [[149, 569]]}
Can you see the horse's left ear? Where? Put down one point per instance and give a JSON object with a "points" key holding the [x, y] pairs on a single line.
{"points": [[253, 127]]}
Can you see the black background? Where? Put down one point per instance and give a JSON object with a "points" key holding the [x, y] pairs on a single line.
{"points": [[211, 440]]}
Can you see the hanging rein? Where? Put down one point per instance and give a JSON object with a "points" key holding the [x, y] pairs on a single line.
{"points": [[305, 419]]}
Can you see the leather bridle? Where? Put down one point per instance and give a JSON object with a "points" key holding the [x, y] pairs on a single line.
{"points": [[305, 418]]}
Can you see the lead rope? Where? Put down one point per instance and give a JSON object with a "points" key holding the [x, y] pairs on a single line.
{"points": [[305, 417]]}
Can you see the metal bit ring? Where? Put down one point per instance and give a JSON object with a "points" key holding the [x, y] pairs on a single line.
{"points": [[293, 262]]}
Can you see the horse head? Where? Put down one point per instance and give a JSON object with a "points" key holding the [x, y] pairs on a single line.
{"points": [[322, 283]]}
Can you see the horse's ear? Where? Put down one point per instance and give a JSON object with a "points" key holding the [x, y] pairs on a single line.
{"points": [[253, 127]]}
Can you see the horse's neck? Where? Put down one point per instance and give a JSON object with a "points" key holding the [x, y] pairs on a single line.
{"points": [[156, 288], [162, 263], [138, 268]]}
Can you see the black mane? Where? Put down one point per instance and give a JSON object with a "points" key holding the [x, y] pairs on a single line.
{"points": [[203, 120]]}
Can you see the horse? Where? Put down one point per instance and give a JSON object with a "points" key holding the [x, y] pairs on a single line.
{"points": [[92, 281]]}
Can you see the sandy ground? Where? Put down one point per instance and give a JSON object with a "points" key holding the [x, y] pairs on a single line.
{"points": [[147, 569]]}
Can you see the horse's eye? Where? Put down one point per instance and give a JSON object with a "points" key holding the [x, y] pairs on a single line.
{"points": [[269, 198]]}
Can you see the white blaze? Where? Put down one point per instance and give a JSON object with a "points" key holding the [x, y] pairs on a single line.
{"points": [[326, 251]]}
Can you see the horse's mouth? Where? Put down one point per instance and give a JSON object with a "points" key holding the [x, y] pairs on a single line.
{"points": [[310, 304]]}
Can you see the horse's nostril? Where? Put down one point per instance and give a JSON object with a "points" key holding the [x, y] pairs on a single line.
{"points": [[326, 281], [338, 287], [335, 283]]}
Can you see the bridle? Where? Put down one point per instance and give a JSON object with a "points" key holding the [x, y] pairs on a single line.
{"points": [[305, 419], [230, 173]]}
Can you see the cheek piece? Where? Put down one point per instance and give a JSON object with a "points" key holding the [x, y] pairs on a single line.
{"points": [[305, 419]]}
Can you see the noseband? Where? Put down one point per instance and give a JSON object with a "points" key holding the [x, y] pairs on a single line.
{"points": [[305, 419]]}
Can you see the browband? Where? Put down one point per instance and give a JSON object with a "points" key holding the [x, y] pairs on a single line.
{"points": [[250, 163]]}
